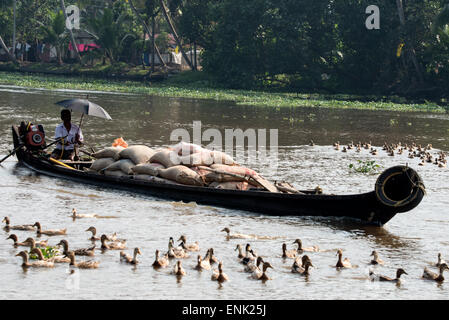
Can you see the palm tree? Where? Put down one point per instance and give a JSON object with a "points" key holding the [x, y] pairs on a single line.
{"points": [[55, 33], [108, 33]]}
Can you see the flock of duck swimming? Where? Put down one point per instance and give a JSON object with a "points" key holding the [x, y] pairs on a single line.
{"points": [[251, 262], [414, 151]]}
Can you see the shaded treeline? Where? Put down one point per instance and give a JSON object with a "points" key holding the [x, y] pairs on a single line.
{"points": [[308, 45]]}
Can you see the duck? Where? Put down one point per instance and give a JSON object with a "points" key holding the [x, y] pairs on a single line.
{"points": [[300, 249], [399, 272], [49, 232], [253, 265], [76, 215], [94, 232], [119, 245], [78, 252], [112, 237], [311, 143], [429, 275], [91, 264], [55, 259], [249, 255], [239, 248], [210, 256], [176, 252], [299, 264], [342, 264], [262, 275], [33, 243], [376, 260], [288, 253], [128, 259], [202, 264], [440, 261], [36, 264], [178, 270], [23, 227], [230, 235], [219, 275], [188, 247], [16, 241], [160, 262], [303, 270]]}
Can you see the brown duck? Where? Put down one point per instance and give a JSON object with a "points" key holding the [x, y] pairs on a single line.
{"points": [[36, 264], [24, 227], [160, 262], [53, 232], [82, 265], [342, 263], [219, 275], [399, 272], [16, 241], [429, 275], [124, 257], [202, 264], [78, 252]]}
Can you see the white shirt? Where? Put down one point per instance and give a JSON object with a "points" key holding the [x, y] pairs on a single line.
{"points": [[61, 131]]}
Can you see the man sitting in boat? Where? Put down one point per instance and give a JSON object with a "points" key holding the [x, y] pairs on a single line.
{"points": [[66, 150]]}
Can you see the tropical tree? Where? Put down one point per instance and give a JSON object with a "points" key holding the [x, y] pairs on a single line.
{"points": [[109, 32], [54, 33]]}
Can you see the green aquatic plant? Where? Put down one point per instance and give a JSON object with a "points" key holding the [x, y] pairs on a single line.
{"points": [[176, 88], [367, 167], [48, 252]]}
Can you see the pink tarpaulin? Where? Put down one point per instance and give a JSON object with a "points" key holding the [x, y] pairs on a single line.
{"points": [[84, 47]]}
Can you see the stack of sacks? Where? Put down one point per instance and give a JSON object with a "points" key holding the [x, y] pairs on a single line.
{"points": [[183, 163], [119, 161], [104, 158]]}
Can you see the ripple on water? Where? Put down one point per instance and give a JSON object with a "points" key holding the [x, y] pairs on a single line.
{"points": [[410, 240]]}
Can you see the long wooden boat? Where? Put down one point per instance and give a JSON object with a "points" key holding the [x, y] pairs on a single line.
{"points": [[398, 189]]}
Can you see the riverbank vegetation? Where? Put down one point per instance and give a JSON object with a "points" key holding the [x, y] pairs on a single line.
{"points": [[314, 53], [195, 85]]}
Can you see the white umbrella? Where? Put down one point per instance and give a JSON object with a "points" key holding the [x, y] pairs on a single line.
{"points": [[85, 106]]}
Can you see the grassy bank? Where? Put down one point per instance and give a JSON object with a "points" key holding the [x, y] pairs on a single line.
{"points": [[196, 85]]}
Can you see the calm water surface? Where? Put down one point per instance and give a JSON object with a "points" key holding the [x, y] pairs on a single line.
{"points": [[410, 240]]}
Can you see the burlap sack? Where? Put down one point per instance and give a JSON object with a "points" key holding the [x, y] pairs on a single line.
{"points": [[137, 154], [168, 158], [185, 149], [109, 152], [124, 165], [151, 169], [202, 158], [181, 174], [101, 164], [222, 158]]}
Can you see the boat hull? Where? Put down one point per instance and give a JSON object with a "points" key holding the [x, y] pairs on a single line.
{"points": [[364, 207]]}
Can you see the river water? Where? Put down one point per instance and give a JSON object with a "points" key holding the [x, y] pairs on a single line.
{"points": [[410, 240]]}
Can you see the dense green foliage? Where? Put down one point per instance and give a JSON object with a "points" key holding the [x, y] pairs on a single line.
{"points": [[322, 44], [292, 45]]}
